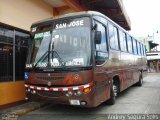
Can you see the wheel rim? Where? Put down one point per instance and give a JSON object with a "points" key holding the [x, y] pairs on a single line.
{"points": [[115, 90], [141, 81]]}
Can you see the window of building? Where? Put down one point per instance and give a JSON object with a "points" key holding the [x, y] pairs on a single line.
{"points": [[13, 51], [21, 49], [6, 62]]}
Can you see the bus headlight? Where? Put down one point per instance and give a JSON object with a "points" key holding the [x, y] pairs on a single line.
{"points": [[69, 93], [78, 93], [28, 90]]}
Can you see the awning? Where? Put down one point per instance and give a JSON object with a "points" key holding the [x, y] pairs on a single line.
{"points": [[152, 45]]}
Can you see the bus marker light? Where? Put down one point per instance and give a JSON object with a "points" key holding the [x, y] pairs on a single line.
{"points": [[87, 90]]}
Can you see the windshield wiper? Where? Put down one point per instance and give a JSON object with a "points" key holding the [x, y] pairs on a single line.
{"points": [[41, 58], [56, 55]]}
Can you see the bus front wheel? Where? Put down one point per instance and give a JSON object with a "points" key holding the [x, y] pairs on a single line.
{"points": [[113, 93]]}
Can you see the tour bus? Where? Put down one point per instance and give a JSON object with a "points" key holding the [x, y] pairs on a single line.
{"points": [[82, 59]]}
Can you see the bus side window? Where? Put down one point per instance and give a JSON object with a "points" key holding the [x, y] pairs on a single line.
{"points": [[113, 37], [129, 40], [138, 47], [123, 43], [134, 46], [141, 49], [144, 49], [116, 38], [101, 49]]}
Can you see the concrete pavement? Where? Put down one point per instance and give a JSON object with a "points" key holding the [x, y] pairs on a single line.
{"points": [[16, 111]]}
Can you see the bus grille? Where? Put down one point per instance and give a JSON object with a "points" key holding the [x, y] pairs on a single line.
{"points": [[50, 78], [50, 94]]}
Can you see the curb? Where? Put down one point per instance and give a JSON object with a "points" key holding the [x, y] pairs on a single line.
{"points": [[23, 109]]}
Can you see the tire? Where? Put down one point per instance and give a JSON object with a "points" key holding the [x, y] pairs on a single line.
{"points": [[140, 82], [112, 99]]}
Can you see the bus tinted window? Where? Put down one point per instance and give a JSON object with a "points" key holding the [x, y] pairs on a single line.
{"points": [[139, 48], [113, 36], [144, 49], [129, 41], [102, 46], [60, 45], [116, 38], [134, 46], [122, 38], [101, 49]]}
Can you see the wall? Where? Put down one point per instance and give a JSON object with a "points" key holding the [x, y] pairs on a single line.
{"points": [[11, 92], [22, 13]]}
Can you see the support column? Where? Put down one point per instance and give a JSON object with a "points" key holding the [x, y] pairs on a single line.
{"points": [[14, 37]]}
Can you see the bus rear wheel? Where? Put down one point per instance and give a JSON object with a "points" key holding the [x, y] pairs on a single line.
{"points": [[140, 82]]}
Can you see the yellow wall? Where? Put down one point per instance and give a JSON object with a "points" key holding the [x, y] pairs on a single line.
{"points": [[11, 92], [22, 13]]}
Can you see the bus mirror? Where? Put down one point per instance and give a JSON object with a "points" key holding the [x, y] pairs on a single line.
{"points": [[98, 37]]}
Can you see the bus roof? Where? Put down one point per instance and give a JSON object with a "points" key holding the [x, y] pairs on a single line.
{"points": [[83, 13]]}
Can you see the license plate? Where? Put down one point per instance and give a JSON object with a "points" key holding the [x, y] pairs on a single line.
{"points": [[74, 102]]}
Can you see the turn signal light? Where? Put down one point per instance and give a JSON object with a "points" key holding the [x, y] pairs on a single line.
{"points": [[87, 90]]}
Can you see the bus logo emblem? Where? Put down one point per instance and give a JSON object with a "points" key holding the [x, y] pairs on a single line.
{"points": [[49, 83], [49, 74]]}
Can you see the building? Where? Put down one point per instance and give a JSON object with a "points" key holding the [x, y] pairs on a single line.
{"points": [[16, 17], [153, 50]]}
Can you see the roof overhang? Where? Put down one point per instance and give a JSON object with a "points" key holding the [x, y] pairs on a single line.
{"points": [[114, 9]]}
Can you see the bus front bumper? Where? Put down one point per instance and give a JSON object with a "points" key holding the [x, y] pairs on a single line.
{"points": [[82, 95]]}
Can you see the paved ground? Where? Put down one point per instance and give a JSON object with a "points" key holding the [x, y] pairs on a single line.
{"points": [[135, 100]]}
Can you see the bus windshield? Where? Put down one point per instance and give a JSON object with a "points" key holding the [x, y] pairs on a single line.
{"points": [[64, 44]]}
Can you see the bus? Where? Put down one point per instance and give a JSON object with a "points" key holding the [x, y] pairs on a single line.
{"points": [[82, 59]]}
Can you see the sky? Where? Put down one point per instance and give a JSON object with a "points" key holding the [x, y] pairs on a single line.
{"points": [[144, 16]]}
